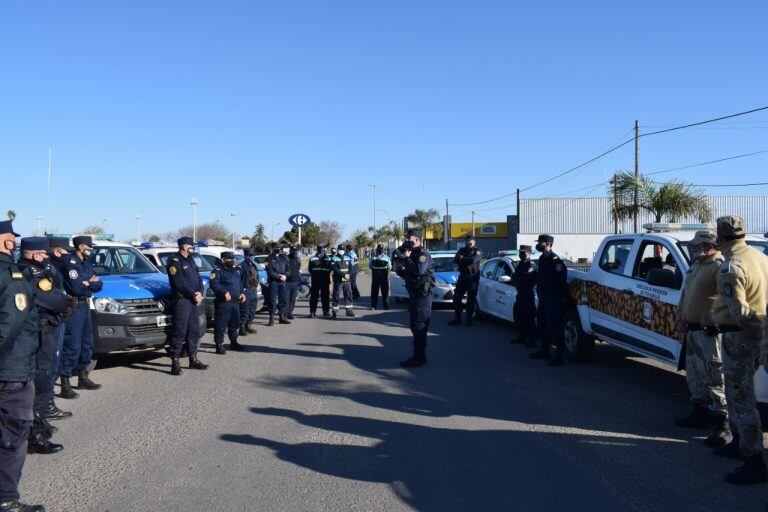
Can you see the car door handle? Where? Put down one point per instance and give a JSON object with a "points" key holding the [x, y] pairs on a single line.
{"points": [[627, 292]]}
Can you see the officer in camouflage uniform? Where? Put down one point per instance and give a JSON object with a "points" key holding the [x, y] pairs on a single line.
{"points": [[739, 313], [703, 348]]}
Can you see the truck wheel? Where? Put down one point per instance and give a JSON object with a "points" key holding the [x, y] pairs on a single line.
{"points": [[578, 344]]}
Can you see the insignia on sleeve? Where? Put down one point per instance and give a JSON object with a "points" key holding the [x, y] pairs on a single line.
{"points": [[728, 290], [73, 274], [45, 284], [21, 301], [172, 271], [422, 258], [213, 275]]}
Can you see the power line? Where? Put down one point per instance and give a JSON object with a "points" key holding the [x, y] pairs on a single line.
{"points": [[707, 163], [614, 148]]}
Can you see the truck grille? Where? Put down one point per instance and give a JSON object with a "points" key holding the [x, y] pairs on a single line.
{"points": [[142, 307], [146, 330]]}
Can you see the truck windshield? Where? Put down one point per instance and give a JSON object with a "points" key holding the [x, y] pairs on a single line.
{"points": [[120, 260]]}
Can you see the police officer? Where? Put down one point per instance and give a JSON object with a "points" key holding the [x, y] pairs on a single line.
{"points": [[294, 278], [524, 310], [350, 251], [739, 314], [552, 288], [342, 265], [187, 292], [51, 303], [18, 347], [227, 284], [59, 248], [468, 261], [278, 270], [320, 272], [81, 282], [703, 348], [249, 272], [380, 265], [418, 270]]}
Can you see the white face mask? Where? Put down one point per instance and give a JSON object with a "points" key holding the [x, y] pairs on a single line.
{"points": [[285, 251], [340, 253]]}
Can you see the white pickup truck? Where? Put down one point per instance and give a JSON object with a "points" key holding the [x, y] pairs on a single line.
{"points": [[629, 296]]}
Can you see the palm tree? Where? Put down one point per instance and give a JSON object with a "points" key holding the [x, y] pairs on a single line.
{"points": [[672, 199], [425, 220], [11, 215], [396, 232]]}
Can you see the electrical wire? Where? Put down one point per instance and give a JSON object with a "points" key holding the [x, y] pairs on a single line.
{"points": [[707, 163]]}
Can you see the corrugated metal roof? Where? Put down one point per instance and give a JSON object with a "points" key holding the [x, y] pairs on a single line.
{"points": [[593, 214]]}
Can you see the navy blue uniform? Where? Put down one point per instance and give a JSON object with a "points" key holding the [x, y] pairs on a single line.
{"points": [[419, 273], [184, 278], [18, 348], [52, 303], [293, 281], [342, 285], [380, 265], [59, 334], [249, 273], [320, 269], [524, 310], [226, 312], [467, 260], [277, 264], [552, 288], [78, 334], [353, 275]]}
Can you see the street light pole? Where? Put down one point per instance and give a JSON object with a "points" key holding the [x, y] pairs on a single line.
{"points": [[138, 227], [273, 231], [374, 207], [194, 219], [234, 228], [39, 219]]}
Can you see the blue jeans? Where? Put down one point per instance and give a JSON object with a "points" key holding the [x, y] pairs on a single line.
{"points": [[78, 341]]}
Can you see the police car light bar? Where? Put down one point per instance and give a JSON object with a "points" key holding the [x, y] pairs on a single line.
{"points": [[676, 226]]}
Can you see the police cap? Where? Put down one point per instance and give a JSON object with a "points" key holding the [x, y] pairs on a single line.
{"points": [[470, 237], [185, 240], [413, 232], [227, 255], [60, 242], [82, 239], [319, 248], [546, 239], [704, 237], [730, 226], [6, 226], [34, 243], [340, 247], [526, 248]]}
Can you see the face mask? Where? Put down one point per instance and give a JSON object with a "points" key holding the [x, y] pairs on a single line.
{"points": [[285, 251], [379, 251], [523, 256], [228, 263], [87, 253], [340, 253], [540, 247], [191, 250]]}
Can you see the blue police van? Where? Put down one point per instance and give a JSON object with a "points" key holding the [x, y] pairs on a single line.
{"points": [[132, 311]]}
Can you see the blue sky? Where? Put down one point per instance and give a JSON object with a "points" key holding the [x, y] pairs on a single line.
{"points": [[272, 108]]}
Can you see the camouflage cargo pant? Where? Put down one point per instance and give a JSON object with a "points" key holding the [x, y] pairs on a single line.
{"points": [[704, 370], [739, 362]]}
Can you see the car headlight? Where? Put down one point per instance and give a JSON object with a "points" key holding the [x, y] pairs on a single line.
{"points": [[112, 306]]}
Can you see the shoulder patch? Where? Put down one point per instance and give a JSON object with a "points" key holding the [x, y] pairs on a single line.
{"points": [[422, 258], [45, 284], [728, 290], [21, 301], [172, 270], [213, 275], [73, 274]]}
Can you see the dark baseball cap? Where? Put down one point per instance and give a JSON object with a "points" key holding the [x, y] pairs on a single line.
{"points": [[34, 243], [6, 226], [82, 239], [61, 242]]}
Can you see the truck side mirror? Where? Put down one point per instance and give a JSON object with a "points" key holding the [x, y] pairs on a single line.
{"points": [[661, 277]]}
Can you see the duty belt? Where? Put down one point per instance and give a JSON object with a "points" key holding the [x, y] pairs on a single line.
{"points": [[728, 328]]}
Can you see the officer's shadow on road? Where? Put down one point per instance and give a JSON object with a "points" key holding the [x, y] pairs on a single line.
{"points": [[439, 467], [146, 360]]}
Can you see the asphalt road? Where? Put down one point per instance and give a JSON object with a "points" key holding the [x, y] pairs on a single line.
{"points": [[318, 416]]}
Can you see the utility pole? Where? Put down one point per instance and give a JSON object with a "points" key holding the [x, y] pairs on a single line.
{"points": [[374, 208], [615, 203], [39, 219], [446, 234], [234, 228], [637, 168], [473, 222], [519, 218], [194, 204], [138, 227]]}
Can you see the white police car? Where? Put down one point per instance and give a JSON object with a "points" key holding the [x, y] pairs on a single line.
{"points": [[132, 309], [446, 275]]}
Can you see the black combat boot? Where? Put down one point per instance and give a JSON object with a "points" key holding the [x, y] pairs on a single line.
{"points": [[752, 472], [220, 349], [271, 320], [419, 358], [66, 389], [289, 316], [184, 350], [39, 439], [283, 320], [334, 315], [312, 314], [721, 433], [250, 329], [731, 450], [196, 364], [175, 366], [84, 382], [235, 345], [17, 506], [350, 312], [456, 317], [54, 413], [243, 331], [699, 418]]}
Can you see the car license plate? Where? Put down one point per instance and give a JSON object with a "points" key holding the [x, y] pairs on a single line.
{"points": [[162, 321]]}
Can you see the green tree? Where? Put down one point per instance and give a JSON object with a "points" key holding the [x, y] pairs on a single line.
{"points": [[671, 200], [259, 240], [310, 235], [396, 231], [207, 231], [11, 214], [426, 220], [94, 229], [360, 239]]}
